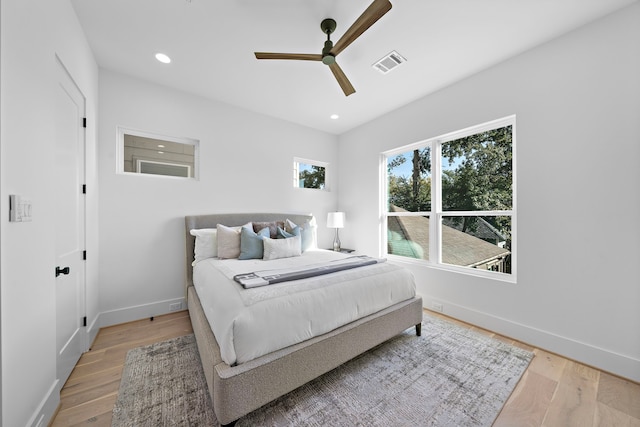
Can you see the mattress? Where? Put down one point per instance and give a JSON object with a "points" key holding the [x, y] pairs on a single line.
{"points": [[249, 323]]}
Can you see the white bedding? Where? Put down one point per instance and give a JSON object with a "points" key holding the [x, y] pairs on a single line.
{"points": [[249, 323]]}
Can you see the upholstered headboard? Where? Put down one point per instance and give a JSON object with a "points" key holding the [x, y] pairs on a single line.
{"points": [[231, 220]]}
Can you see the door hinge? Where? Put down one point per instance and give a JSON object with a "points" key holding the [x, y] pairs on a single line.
{"points": [[84, 255], [84, 122], [84, 321], [84, 188]]}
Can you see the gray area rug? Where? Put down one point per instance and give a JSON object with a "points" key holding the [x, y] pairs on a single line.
{"points": [[450, 376]]}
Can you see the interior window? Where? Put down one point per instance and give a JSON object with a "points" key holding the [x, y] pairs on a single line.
{"points": [[152, 154]]}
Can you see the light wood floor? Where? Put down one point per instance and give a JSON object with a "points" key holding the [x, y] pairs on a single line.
{"points": [[553, 392]]}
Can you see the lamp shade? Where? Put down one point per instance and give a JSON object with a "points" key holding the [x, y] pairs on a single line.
{"points": [[335, 219]]}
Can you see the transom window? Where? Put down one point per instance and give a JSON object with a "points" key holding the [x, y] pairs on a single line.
{"points": [[450, 201], [141, 152]]}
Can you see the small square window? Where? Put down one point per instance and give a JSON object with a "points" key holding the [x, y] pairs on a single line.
{"points": [[309, 174]]}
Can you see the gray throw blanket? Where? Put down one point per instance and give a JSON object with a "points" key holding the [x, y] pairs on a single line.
{"points": [[269, 277]]}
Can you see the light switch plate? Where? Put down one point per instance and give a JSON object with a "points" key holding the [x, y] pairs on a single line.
{"points": [[19, 209]]}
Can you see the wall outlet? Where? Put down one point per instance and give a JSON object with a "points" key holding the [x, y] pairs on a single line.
{"points": [[436, 306], [177, 306]]}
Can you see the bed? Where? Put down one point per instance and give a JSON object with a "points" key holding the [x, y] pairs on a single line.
{"points": [[239, 385]]}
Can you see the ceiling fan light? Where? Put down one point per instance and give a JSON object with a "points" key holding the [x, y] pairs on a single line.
{"points": [[328, 59]]}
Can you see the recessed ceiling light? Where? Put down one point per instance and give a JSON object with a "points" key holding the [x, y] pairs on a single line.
{"points": [[160, 146], [160, 152], [163, 58], [334, 117]]}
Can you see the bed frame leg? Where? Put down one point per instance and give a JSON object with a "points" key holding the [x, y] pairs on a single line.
{"points": [[419, 329]]}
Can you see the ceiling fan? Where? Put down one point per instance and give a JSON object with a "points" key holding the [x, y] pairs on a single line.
{"points": [[375, 11]]}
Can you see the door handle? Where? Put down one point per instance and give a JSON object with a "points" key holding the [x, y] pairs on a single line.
{"points": [[60, 271]]}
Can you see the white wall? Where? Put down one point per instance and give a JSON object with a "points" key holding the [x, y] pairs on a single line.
{"points": [[577, 101], [246, 163], [32, 34]]}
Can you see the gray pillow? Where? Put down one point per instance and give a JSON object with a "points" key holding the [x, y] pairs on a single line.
{"points": [[273, 227]]}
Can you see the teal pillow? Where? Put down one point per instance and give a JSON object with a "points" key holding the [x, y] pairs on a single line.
{"points": [[306, 232], [251, 243], [282, 234]]}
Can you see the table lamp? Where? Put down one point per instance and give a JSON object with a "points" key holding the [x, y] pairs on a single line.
{"points": [[335, 220]]}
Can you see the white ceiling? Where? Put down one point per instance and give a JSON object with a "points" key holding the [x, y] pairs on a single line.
{"points": [[211, 43]]}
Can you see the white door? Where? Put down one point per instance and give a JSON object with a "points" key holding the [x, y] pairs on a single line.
{"points": [[70, 224]]}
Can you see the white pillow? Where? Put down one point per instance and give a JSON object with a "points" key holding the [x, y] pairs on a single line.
{"points": [[229, 241], [206, 245], [282, 248]]}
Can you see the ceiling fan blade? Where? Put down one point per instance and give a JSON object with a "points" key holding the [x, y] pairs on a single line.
{"points": [[343, 81], [300, 56], [375, 11]]}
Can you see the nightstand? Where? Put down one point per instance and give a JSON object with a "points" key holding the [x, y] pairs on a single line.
{"points": [[343, 250]]}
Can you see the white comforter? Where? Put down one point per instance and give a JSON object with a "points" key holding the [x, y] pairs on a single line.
{"points": [[249, 323]]}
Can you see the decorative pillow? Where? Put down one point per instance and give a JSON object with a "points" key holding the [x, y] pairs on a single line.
{"points": [[251, 246], [228, 241], [282, 248], [307, 233], [285, 234], [273, 227], [206, 245]]}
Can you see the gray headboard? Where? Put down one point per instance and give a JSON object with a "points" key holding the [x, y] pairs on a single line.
{"points": [[231, 220]]}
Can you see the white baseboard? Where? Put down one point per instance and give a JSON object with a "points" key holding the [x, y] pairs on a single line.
{"points": [[129, 314], [603, 359], [92, 332], [47, 407]]}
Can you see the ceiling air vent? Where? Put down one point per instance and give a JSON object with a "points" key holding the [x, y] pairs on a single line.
{"points": [[389, 62]]}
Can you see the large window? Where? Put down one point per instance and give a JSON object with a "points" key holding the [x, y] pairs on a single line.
{"points": [[450, 201]]}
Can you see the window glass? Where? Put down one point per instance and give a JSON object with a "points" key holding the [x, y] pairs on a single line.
{"points": [[152, 154], [409, 180], [480, 242], [477, 171], [450, 200], [309, 174], [408, 236]]}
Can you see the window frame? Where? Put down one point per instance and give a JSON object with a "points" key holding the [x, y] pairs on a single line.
{"points": [[122, 131], [296, 173], [436, 214]]}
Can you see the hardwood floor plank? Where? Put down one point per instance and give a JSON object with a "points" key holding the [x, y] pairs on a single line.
{"points": [[606, 416], [79, 397], [82, 414], [527, 405], [619, 394], [574, 401], [548, 365]]}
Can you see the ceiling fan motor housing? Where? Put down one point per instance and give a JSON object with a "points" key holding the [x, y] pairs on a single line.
{"points": [[328, 25], [327, 57]]}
